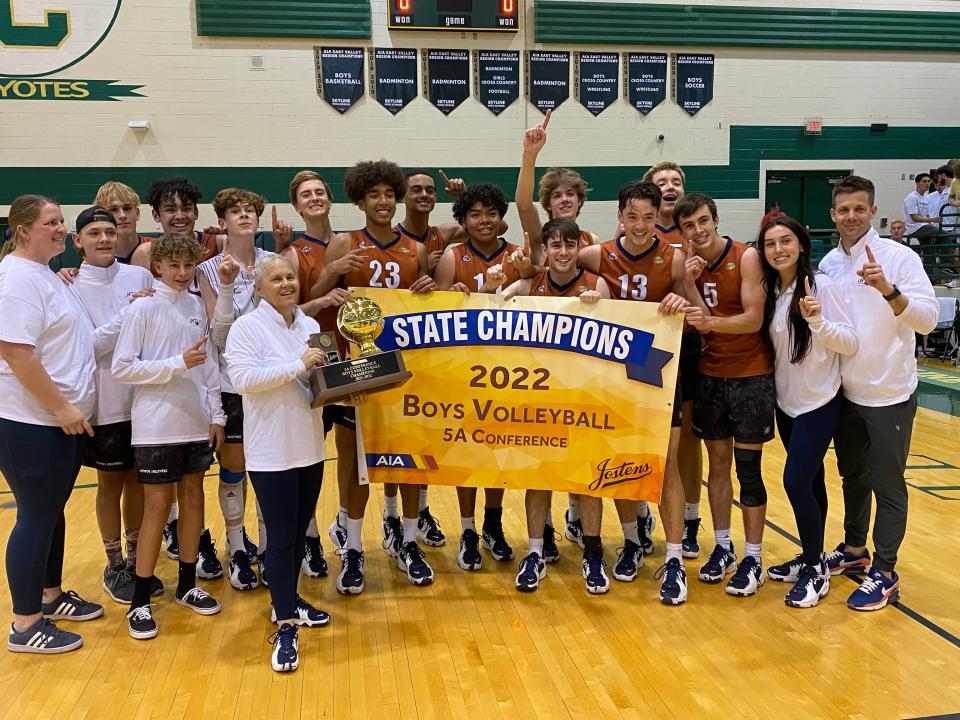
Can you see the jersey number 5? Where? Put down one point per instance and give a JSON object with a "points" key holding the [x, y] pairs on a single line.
{"points": [[710, 295], [387, 276]]}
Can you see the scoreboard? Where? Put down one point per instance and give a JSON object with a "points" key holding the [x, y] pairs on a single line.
{"points": [[463, 15]]}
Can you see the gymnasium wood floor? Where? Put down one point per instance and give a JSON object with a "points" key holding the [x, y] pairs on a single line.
{"points": [[471, 646]]}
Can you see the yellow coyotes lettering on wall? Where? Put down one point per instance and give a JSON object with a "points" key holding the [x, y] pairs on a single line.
{"points": [[523, 393]]}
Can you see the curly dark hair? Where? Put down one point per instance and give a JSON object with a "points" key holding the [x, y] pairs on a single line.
{"points": [[484, 193], [366, 175], [161, 191]]}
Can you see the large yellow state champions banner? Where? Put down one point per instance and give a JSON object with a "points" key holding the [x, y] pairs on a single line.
{"points": [[543, 393]]}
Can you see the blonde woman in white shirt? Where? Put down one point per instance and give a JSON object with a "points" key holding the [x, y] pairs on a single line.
{"points": [[807, 322], [270, 363]]}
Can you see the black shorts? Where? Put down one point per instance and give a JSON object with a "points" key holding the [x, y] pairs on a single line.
{"points": [[339, 415], [675, 421], [109, 449], [233, 408], [158, 464], [690, 348], [741, 408]]}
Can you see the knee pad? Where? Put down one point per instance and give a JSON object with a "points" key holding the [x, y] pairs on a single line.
{"points": [[752, 491], [230, 477], [230, 493]]}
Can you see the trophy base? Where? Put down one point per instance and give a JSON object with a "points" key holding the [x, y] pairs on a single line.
{"points": [[373, 373]]}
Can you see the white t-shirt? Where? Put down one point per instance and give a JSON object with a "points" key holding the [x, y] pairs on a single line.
{"points": [[171, 404], [914, 204], [37, 309], [813, 382], [280, 430], [104, 294]]}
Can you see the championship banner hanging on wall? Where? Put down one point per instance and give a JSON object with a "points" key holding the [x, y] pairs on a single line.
{"points": [[693, 81], [339, 76], [496, 78], [446, 78], [646, 80], [393, 74], [548, 78], [597, 81], [544, 393]]}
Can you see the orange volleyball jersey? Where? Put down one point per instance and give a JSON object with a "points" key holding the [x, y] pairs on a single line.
{"points": [[471, 265], [726, 355], [672, 236], [586, 239], [311, 259], [647, 276], [543, 286], [432, 241], [393, 265]]}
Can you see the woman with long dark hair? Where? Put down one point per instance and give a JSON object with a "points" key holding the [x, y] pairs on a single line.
{"points": [[809, 328]]}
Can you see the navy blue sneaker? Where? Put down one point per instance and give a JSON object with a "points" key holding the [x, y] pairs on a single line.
{"points": [[496, 543], [813, 583], [428, 528], [875, 591], [313, 563], [338, 534], [140, 623], [285, 656], [392, 536], [690, 545], [43, 638], [208, 565], [350, 579], [629, 562], [721, 562], [574, 530], [747, 579], [673, 585], [595, 578], [249, 545], [841, 562], [469, 557], [412, 561], [532, 571], [305, 615], [551, 553], [171, 539], [70, 606], [645, 526], [242, 576], [786, 572]]}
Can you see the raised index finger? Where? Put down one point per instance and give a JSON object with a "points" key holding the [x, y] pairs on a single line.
{"points": [[526, 243], [443, 176], [546, 119], [806, 286], [870, 256], [276, 220]]}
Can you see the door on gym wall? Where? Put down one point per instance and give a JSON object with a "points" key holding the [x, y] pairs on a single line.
{"points": [[805, 195]]}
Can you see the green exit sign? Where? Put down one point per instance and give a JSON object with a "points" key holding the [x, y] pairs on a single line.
{"points": [[472, 15]]}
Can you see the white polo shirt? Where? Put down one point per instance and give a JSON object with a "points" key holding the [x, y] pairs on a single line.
{"points": [[36, 309]]}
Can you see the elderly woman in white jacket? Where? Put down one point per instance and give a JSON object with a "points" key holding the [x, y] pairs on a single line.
{"points": [[270, 363]]}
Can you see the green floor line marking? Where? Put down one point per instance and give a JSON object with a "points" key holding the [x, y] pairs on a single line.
{"points": [[940, 378]]}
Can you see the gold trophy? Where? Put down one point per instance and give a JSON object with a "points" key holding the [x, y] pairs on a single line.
{"points": [[360, 321]]}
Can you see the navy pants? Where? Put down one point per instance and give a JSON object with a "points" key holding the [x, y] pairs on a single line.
{"points": [[41, 464], [806, 439], [287, 500]]}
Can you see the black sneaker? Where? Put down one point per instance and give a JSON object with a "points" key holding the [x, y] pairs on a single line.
{"points": [[428, 528], [786, 572], [645, 526], [392, 536], [199, 601], [673, 585], [594, 575], [208, 565], [690, 545], [747, 579], [285, 656], [532, 571], [313, 563], [140, 623], [249, 545], [118, 584], [242, 576], [629, 562], [551, 553], [574, 530], [306, 615], [414, 563], [350, 579], [721, 562], [70, 606], [156, 586], [496, 543], [171, 539], [469, 557], [43, 638]]}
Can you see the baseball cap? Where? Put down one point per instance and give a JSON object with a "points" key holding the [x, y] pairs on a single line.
{"points": [[94, 214]]}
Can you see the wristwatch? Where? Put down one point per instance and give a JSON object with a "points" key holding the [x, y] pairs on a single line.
{"points": [[894, 295]]}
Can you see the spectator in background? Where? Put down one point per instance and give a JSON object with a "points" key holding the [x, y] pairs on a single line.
{"points": [[920, 225], [774, 212], [939, 200], [898, 228]]}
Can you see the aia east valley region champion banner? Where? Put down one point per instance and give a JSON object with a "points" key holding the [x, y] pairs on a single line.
{"points": [[543, 393]]}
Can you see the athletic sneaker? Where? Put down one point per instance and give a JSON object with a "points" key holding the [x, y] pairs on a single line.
{"points": [[428, 529], [875, 591], [70, 606], [242, 576], [350, 579], [629, 561], [574, 530], [392, 536], [43, 638], [262, 569], [285, 657], [199, 601], [171, 539], [156, 586], [532, 571], [469, 557], [594, 576], [337, 533], [140, 623], [812, 583], [306, 615], [118, 584], [721, 562], [690, 544], [249, 545], [788, 571], [208, 565], [645, 526], [747, 579], [496, 543], [551, 553], [412, 560], [673, 586], [313, 563], [840, 561]]}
